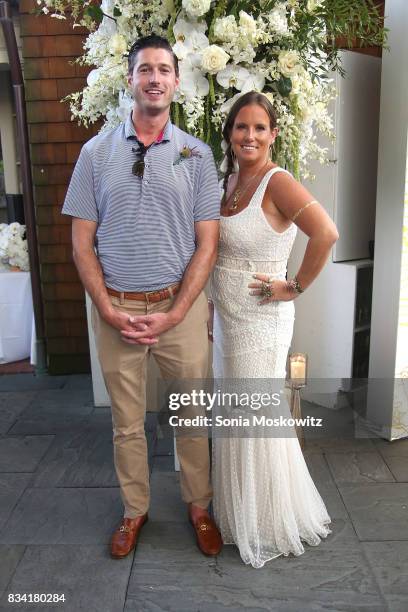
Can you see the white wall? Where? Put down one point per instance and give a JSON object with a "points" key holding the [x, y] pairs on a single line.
{"points": [[390, 192]]}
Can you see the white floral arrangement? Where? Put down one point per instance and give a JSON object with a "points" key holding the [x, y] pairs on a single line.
{"points": [[283, 48], [13, 247]]}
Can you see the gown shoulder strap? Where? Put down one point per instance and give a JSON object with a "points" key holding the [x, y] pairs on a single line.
{"points": [[258, 196]]}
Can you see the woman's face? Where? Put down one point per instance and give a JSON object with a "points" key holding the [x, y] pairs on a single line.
{"points": [[251, 134]]}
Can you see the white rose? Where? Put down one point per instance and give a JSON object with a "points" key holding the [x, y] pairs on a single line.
{"points": [[288, 63], [225, 28], [117, 44], [214, 59], [196, 8]]}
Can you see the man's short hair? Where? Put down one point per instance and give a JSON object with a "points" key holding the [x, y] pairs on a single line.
{"points": [[153, 42]]}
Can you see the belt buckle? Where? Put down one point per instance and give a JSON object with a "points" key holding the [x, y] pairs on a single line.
{"points": [[147, 293]]}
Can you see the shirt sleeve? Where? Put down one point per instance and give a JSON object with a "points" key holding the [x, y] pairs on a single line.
{"points": [[207, 199], [80, 198]]}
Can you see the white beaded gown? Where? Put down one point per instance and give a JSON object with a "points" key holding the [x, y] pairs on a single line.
{"points": [[265, 500]]}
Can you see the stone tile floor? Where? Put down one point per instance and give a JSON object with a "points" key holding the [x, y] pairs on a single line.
{"points": [[59, 503]]}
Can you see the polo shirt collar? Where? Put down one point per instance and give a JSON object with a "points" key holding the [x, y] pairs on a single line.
{"points": [[130, 131]]}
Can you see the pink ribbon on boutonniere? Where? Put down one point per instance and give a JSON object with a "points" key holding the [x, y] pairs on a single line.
{"points": [[186, 153]]}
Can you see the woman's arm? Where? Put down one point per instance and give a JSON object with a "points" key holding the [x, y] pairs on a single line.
{"points": [[291, 200]]}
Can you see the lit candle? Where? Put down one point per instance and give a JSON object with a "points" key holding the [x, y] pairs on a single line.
{"points": [[298, 369]]}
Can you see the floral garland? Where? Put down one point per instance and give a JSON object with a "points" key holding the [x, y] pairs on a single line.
{"points": [[283, 48]]}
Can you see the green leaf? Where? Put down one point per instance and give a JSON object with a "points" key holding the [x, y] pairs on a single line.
{"points": [[94, 12], [284, 86]]}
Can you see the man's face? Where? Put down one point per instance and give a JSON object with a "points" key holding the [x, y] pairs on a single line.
{"points": [[153, 80]]}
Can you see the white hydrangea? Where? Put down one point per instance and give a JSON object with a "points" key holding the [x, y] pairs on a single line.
{"points": [[13, 246], [226, 29], [277, 21], [117, 44], [196, 8]]}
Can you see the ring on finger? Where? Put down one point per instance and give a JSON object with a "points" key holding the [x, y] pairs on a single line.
{"points": [[266, 290]]}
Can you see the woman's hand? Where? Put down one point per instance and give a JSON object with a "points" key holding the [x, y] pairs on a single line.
{"points": [[210, 321], [278, 288]]}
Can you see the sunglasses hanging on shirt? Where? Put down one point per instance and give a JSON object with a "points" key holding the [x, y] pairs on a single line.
{"points": [[139, 165]]}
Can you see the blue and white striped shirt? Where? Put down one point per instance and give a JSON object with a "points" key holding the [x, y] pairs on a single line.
{"points": [[145, 236]]}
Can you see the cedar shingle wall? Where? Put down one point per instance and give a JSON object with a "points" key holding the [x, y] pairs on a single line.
{"points": [[49, 45]]}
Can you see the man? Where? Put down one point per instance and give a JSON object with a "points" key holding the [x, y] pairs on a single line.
{"points": [[145, 194]]}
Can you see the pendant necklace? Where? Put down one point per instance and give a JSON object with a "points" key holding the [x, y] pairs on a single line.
{"points": [[239, 192]]}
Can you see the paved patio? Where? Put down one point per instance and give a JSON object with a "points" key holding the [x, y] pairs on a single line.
{"points": [[59, 503]]}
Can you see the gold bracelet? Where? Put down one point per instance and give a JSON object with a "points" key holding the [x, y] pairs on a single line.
{"points": [[294, 286], [295, 216]]}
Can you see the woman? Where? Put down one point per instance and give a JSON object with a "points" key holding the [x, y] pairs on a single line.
{"points": [[264, 498]]}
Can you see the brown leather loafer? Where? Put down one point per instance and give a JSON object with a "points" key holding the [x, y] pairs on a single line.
{"points": [[208, 537], [124, 538]]}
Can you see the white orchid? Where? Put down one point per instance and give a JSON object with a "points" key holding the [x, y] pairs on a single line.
{"points": [[93, 77], [190, 39], [228, 104], [233, 76], [193, 83], [254, 82], [125, 105]]}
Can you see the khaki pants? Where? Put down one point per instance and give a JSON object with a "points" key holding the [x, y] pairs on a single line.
{"points": [[181, 352]]}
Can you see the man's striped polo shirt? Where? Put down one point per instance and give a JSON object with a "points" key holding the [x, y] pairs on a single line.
{"points": [[145, 236]]}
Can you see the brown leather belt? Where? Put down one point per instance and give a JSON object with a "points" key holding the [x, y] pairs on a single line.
{"points": [[146, 296]]}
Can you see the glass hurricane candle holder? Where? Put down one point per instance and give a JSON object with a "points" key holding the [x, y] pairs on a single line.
{"points": [[297, 370], [296, 379]]}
